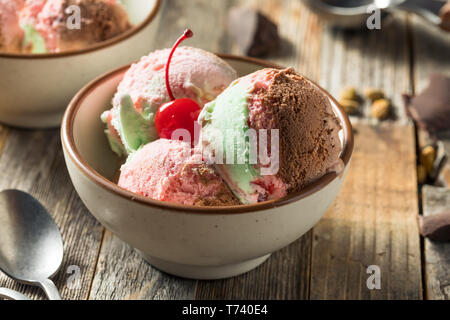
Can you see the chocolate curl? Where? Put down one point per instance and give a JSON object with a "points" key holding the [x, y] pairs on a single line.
{"points": [[435, 227]]}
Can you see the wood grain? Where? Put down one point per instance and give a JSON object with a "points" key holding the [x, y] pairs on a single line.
{"points": [[369, 224], [32, 161], [437, 254], [369, 59], [373, 222], [122, 274], [284, 276]]}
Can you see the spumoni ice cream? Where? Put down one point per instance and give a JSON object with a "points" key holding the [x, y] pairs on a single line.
{"points": [[263, 136], [43, 26], [152, 102], [297, 122]]}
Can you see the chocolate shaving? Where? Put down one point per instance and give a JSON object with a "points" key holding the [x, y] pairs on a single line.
{"points": [[254, 33], [435, 227], [431, 108]]}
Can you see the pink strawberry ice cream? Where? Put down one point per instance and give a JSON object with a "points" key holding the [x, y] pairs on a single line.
{"points": [[168, 170], [194, 74], [11, 34]]}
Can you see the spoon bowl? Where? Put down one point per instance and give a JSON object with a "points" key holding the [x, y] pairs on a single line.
{"points": [[31, 247]]}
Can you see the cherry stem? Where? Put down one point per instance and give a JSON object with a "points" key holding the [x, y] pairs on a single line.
{"points": [[186, 34]]}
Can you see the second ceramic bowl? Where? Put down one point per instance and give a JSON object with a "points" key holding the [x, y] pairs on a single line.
{"points": [[188, 241], [35, 89]]}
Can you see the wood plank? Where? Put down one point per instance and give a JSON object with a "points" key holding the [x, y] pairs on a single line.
{"points": [[369, 59], [32, 161], [373, 222], [369, 224], [286, 274], [437, 254], [122, 274]]}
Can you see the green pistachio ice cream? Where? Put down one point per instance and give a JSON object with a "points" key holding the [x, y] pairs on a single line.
{"points": [[224, 127]]}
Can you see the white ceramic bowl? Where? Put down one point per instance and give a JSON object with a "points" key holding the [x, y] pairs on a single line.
{"points": [[35, 89], [188, 241]]}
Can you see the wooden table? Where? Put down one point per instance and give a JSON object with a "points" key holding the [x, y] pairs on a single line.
{"points": [[373, 221]]}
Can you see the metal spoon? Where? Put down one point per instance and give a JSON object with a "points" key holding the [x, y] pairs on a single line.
{"points": [[354, 13], [31, 247], [12, 295]]}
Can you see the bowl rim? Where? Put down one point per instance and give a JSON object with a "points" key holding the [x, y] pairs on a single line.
{"points": [[69, 146], [95, 47]]}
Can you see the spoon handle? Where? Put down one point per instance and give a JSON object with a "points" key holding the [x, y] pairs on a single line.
{"points": [[50, 289], [12, 295]]}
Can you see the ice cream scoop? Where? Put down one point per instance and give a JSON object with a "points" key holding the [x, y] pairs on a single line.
{"points": [[194, 73], [169, 170], [11, 34], [52, 26], [271, 133]]}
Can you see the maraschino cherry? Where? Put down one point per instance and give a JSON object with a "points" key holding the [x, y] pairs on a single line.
{"points": [[178, 113]]}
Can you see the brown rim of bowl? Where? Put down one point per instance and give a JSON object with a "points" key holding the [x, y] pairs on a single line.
{"points": [[101, 45], [71, 151]]}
